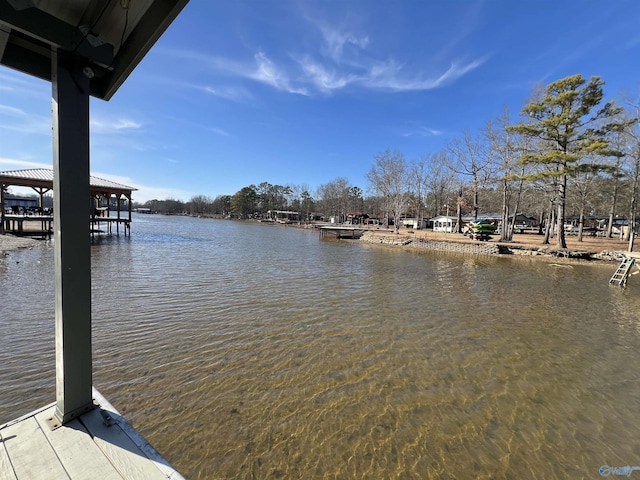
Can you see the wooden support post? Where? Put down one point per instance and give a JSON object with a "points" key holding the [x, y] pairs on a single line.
{"points": [[128, 227], [41, 191], [2, 187], [118, 196], [70, 111]]}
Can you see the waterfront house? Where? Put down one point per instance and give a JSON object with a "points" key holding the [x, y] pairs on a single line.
{"points": [[355, 218], [374, 219], [415, 223], [13, 203], [283, 216], [444, 223]]}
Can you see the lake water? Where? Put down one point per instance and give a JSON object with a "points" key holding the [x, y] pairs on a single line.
{"points": [[256, 351]]}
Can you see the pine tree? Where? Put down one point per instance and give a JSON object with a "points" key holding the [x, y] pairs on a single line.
{"points": [[563, 120]]}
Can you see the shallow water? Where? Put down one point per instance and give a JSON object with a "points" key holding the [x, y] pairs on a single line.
{"points": [[256, 351]]}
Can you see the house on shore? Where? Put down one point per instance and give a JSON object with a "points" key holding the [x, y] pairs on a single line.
{"points": [[444, 223], [374, 219], [19, 203], [414, 223], [283, 216]]}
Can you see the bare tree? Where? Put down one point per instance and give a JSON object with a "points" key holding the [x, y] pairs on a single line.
{"points": [[334, 197], [583, 183], [471, 160], [388, 177], [618, 140], [440, 177], [418, 177], [200, 204], [504, 147]]}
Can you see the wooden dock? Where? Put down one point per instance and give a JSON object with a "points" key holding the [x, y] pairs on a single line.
{"points": [[106, 224], [42, 225], [340, 231], [28, 225], [99, 444]]}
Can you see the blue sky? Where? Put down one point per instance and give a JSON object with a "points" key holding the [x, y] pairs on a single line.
{"points": [[303, 92]]}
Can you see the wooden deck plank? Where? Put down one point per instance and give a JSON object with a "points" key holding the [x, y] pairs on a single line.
{"points": [[120, 449], [151, 453], [31, 454], [6, 470], [76, 450], [85, 448]]}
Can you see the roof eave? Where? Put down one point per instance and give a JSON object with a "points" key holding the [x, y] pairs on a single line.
{"points": [[28, 36]]}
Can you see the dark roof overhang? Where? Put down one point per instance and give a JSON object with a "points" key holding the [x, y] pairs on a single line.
{"points": [[108, 37]]}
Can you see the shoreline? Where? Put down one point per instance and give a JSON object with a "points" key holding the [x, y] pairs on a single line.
{"points": [[10, 243], [592, 250], [438, 242]]}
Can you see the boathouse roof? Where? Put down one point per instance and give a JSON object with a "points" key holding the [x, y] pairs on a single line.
{"points": [[120, 35], [43, 178]]}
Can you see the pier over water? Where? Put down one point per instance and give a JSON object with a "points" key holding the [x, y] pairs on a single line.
{"points": [[38, 221]]}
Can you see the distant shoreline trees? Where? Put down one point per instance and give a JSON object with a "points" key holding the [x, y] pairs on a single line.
{"points": [[567, 159]]}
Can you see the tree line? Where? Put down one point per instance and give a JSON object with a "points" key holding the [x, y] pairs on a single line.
{"points": [[565, 154]]}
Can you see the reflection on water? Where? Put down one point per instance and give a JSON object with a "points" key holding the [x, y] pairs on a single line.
{"points": [[255, 351]]}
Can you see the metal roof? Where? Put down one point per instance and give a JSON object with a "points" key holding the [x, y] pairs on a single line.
{"points": [[43, 177], [109, 37]]}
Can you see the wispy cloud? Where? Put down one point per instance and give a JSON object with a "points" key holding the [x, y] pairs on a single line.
{"points": [[349, 61], [391, 76], [115, 125], [20, 84], [18, 120], [467, 22], [260, 69], [268, 73], [236, 94], [324, 79], [111, 133], [15, 164], [220, 131], [342, 59], [423, 132], [6, 109], [336, 40], [633, 42], [387, 75]]}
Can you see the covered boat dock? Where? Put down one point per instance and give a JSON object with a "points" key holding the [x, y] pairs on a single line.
{"points": [[39, 220]]}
